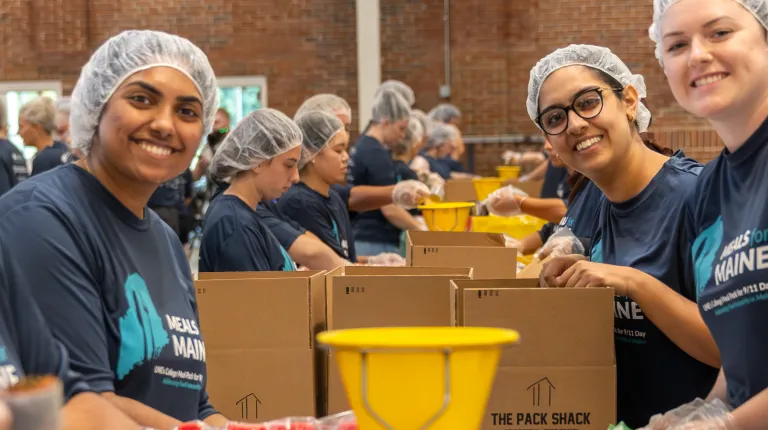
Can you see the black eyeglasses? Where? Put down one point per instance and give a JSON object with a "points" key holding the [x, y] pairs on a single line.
{"points": [[587, 105]]}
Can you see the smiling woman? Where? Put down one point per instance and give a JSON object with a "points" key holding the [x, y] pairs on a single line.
{"points": [[114, 273]]}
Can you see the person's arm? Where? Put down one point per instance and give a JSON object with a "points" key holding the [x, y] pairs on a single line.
{"points": [[552, 210], [529, 244], [216, 420], [753, 414], [311, 252], [400, 217], [462, 175], [363, 198], [538, 173], [142, 413], [89, 411]]}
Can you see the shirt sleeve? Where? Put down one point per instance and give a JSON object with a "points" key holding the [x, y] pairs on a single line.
{"points": [[344, 191], [284, 231], [57, 269], [546, 232]]}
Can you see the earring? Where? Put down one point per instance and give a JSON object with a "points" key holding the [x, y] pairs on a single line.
{"points": [[630, 117]]}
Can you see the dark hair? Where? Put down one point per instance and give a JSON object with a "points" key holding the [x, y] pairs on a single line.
{"points": [[224, 111]]}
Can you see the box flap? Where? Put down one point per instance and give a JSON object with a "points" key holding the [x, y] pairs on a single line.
{"points": [[446, 238], [533, 270], [568, 327], [256, 275], [401, 271]]}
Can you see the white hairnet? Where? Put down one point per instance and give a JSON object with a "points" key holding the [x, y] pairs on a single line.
{"points": [[595, 57], [758, 8], [329, 103], [444, 112], [317, 129], [415, 131], [399, 87], [391, 107], [426, 123], [262, 135], [124, 55], [40, 111], [63, 104], [440, 135]]}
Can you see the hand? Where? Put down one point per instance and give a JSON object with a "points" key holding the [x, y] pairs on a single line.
{"points": [[724, 422], [434, 180], [422, 223], [419, 164], [511, 242], [409, 193], [388, 259], [505, 201], [560, 246], [585, 274], [555, 268], [511, 157], [5, 417]]}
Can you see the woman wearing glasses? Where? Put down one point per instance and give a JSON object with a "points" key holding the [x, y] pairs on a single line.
{"points": [[588, 103]]}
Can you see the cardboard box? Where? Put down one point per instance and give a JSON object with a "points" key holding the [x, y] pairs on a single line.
{"points": [[259, 331], [460, 190], [533, 270], [562, 374], [361, 297], [484, 252]]}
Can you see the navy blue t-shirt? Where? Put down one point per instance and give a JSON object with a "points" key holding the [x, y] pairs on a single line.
{"points": [[27, 346], [730, 212], [236, 240], [437, 166], [555, 183], [13, 166], [581, 215], [286, 230], [453, 165], [50, 157], [371, 163], [326, 217], [116, 290], [171, 194], [404, 172], [651, 233]]}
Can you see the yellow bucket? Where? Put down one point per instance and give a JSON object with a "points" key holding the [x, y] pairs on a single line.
{"points": [[508, 172], [485, 186], [412, 378], [447, 216], [516, 227]]}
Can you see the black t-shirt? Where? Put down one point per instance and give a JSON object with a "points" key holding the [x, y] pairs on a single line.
{"points": [[581, 215], [654, 375], [236, 240], [286, 230], [13, 166], [438, 166], [116, 290], [50, 157], [371, 164], [555, 183], [453, 165], [730, 212], [326, 217]]}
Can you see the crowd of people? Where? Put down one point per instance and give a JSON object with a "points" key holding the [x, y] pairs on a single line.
{"points": [[96, 286]]}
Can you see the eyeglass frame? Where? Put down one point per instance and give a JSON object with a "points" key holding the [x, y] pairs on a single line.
{"points": [[567, 109]]}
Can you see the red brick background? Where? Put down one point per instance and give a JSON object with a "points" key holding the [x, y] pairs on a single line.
{"points": [[308, 46]]}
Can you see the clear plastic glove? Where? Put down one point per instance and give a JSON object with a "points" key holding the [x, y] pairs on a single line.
{"points": [[433, 180], [564, 242], [511, 242], [511, 158], [422, 223], [388, 259], [420, 164], [696, 415], [503, 202], [409, 194]]}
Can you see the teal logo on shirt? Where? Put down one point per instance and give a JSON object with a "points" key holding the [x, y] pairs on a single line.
{"points": [[336, 232], [704, 250], [142, 336], [597, 252], [288, 264]]}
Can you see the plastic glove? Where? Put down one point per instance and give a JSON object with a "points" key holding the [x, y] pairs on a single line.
{"points": [[511, 158], [502, 202], [420, 164], [696, 415], [389, 259], [434, 180], [409, 193], [723, 422], [422, 223], [562, 243], [511, 242]]}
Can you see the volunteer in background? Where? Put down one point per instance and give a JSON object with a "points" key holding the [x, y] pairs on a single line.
{"points": [[37, 123], [221, 126], [714, 55], [28, 349], [371, 163], [588, 103], [398, 87], [13, 166], [169, 199], [109, 276], [312, 203], [62, 120], [405, 150], [447, 113], [440, 143], [259, 158]]}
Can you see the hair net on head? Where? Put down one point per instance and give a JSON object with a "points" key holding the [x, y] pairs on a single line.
{"points": [[124, 55], [758, 8], [595, 57], [426, 123], [444, 112], [63, 105], [317, 128], [40, 111], [413, 132], [329, 103], [262, 135], [389, 106], [440, 135], [399, 87]]}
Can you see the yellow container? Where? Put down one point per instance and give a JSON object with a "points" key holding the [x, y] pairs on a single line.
{"points": [[447, 216], [485, 186], [413, 378], [508, 172], [516, 227]]}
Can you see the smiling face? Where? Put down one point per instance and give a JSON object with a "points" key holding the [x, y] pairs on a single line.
{"points": [[274, 177], [591, 146], [151, 126], [715, 57], [330, 165]]}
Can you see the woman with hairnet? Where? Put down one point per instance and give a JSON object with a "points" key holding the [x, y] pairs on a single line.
{"points": [[109, 276], [37, 124], [371, 163], [312, 202], [13, 166], [589, 104], [440, 143], [714, 55], [447, 113], [260, 160]]}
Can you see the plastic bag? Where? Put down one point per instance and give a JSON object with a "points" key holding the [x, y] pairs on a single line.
{"points": [[698, 414], [388, 259], [409, 193], [562, 243]]}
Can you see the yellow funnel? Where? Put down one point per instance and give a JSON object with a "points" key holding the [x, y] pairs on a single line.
{"points": [[516, 227], [508, 172], [485, 186], [408, 378], [447, 216]]}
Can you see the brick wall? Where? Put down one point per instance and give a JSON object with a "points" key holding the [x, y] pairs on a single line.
{"points": [[308, 46]]}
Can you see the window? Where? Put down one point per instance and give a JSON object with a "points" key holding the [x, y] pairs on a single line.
{"points": [[15, 94], [241, 95]]}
